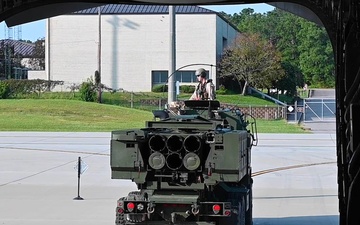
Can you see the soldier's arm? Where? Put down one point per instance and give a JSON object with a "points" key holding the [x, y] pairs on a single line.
{"points": [[210, 89], [194, 96]]}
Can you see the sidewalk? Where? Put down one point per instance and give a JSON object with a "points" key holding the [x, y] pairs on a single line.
{"points": [[320, 127]]}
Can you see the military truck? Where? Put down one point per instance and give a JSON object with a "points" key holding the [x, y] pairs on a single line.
{"points": [[191, 166]]}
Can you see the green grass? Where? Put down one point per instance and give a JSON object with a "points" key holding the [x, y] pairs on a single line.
{"points": [[246, 100], [75, 115], [67, 115], [278, 126], [125, 98]]}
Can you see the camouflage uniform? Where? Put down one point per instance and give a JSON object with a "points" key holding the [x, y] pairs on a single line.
{"points": [[205, 90]]}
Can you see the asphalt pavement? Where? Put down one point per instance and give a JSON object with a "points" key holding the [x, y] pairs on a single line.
{"points": [[320, 111], [324, 127], [38, 179], [302, 190]]}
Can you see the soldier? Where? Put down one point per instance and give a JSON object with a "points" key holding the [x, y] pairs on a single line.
{"points": [[205, 90]]}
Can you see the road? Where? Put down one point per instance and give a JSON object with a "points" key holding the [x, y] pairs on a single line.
{"points": [[38, 181], [299, 196]]}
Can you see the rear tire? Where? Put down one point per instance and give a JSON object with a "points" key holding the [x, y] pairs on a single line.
{"points": [[248, 215], [242, 212], [238, 218]]}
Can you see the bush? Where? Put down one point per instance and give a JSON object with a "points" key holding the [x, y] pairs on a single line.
{"points": [[222, 90], [4, 90], [187, 89], [19, 88], [164, 88], [160, 88], [88, 91]]}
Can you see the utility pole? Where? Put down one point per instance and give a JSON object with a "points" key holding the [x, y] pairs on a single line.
{"points": [[8, 53], [99, 43], [172, 55], [98, 72]]}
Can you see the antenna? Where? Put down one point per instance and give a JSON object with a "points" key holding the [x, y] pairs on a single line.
{"points": [[18, 32], [7, 51], [9, 33]]}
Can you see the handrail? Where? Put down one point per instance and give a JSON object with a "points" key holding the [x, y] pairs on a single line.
{"points": [[268, 97]]}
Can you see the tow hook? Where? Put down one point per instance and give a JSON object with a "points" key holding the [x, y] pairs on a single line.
{"points": [[195, 209]]}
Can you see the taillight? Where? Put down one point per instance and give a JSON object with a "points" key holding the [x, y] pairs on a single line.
{"points": [[227, 213], [130, 206], [120, 210], [216, 209]]}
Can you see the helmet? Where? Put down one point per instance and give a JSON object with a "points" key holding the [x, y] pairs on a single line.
{"points": [[200, 72]]}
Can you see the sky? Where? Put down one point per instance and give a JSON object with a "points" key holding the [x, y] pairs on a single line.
{"points": [[36, 30]]}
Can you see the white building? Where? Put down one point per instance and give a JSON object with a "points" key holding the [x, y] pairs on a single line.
{"points": [[134, 44]]}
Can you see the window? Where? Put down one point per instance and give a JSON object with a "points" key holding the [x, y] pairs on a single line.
{"points": [[159, 77], [186, 76], [224, 43]]}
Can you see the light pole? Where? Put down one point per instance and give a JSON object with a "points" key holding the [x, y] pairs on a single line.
{"points": [[172, 55]]}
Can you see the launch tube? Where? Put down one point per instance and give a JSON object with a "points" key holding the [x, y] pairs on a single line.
{"points": [[157, 160], [174, 161], [174, 143], [192, 143], [157, 143], [191, 161]]}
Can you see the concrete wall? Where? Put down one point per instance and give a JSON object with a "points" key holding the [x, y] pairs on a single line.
{"points": [[37, 74], [225, 36], [132, 46]]}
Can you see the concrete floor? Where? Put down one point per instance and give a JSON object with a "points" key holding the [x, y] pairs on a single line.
{"points": [[38, 181], [299, 196]]}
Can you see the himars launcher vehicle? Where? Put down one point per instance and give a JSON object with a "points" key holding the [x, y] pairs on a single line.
{"points": [[191, 168]]}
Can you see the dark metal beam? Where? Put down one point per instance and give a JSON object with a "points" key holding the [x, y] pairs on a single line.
{"points": [[46, 11]]}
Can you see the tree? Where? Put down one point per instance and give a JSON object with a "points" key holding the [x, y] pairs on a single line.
{"points": [[316, 55], [306, 51], [37, 59], [247, 21], [282, 29], [291, 79], [98, 85], [9, 60], [252, 61]]}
